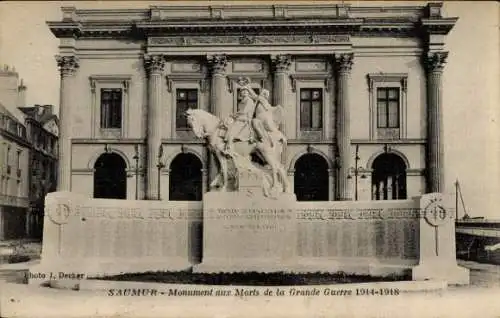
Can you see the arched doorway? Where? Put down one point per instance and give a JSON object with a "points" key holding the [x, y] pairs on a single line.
{"points": [[185, 178], [311, 178], [110, 177], [388, 177]]}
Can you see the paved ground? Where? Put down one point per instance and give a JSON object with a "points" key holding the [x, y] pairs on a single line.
{"points": [[480, 299], [481, 275]]}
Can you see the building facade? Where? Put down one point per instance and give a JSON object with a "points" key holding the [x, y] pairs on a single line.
{"points": [[14, 157], [42, 129], [14, 151], [361, 87]]}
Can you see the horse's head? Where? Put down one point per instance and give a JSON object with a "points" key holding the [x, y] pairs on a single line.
{"points": [[196, 122]]}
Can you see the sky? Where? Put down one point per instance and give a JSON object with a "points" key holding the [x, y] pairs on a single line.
{"points": [[471, 95]]}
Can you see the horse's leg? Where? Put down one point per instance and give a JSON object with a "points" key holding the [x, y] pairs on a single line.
{"points": [[223, 171], [271, 161], [215, 183], [284, 178], [217, 179]]}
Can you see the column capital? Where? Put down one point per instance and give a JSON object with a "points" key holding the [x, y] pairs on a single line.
{"points": [[435, 61], [154, 63], [67, 64], [217, 63], [344, 61], [281, 63]]}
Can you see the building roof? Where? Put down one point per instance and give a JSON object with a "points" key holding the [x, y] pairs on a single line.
{"points": [[15, 132], [5, 111], [43, 117]]}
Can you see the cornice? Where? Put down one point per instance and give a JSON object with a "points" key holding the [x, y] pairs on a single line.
{"points": [[252, 20], [151, 28], [124, 141], [65, 29], [15, 138], [438, 25], [107, 28], [177, 34], [254, 77], [406, 141], [325, 76], [179, 77]]}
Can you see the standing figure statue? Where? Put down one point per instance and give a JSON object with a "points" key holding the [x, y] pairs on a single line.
{"points": [[263, 123]]}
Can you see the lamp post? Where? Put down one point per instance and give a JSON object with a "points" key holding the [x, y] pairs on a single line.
{"points": [[356, 170], [160, 165], [136, 158]]}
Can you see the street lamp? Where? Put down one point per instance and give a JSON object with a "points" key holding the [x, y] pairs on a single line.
{"points": [[160, 165], [136, 158], [356, 171]]}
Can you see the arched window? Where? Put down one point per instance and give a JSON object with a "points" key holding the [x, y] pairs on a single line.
{"points": [[389, 177], [110, 177], [185, 178], [311, 178]]}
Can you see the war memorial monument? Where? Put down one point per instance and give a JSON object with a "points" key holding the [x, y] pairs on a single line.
{"points": [[191, 139]]}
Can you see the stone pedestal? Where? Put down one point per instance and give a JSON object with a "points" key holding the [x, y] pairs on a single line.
{"points": [[244, 232], [437, 242]]}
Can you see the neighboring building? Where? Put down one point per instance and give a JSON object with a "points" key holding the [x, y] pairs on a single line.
{"points": [[361, 87], [14, 154], [42, 130], [14, 157]]}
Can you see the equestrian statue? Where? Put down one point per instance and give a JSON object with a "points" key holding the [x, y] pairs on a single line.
{"points": [[253, 129]]}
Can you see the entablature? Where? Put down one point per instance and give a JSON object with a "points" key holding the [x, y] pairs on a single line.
{"points": [[253, 20]]}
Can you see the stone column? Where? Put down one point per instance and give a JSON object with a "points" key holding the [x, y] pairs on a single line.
{"points": [[343, 65], [154, 65], [67, 67], [281, 66], [204, 181], [217, 65], [434, 63]]}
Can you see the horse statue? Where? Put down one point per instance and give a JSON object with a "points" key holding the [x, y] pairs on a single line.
{"points": [[209, 127]]}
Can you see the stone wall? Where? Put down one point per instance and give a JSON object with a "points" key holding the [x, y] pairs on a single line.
{"points": [[235, 231]]}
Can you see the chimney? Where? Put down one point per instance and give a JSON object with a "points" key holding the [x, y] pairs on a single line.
{"points": [[21, 94], [49, 109]]}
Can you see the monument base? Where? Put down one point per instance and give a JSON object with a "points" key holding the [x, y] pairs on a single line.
{"points": [[243, 265], [449, 272], [246, 231], [354, 266], [348, 266]]}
